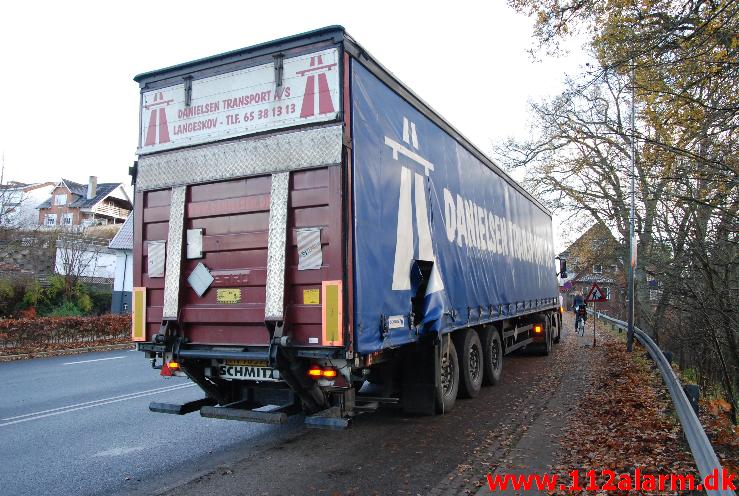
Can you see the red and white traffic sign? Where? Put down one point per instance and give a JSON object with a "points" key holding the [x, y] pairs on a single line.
{"points": [[595, 295]]}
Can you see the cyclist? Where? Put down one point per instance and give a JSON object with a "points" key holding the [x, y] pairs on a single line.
{"points": [[578, 306]]}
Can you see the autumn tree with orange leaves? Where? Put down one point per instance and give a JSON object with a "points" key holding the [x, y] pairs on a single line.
{"points": [[680, 60]]}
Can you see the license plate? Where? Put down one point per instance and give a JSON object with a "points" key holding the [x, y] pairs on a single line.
{"points": [[248, 372], [250, 363]]}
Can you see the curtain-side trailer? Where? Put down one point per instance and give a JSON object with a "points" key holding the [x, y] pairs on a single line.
{"points": [[310, 235]]}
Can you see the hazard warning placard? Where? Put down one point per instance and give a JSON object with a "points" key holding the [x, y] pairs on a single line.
{"points": [[596, 294]]}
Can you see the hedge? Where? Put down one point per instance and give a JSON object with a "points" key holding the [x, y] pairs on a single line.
{"points": [[49, 333]]}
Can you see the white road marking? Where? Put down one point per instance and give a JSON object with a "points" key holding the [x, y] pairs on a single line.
{"points": [[160, 389], [88, 404], [95, 360], [120, 451]]}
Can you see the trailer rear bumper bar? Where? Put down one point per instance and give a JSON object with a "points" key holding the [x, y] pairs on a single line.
{"points": [[184, 409], [280, 415]]}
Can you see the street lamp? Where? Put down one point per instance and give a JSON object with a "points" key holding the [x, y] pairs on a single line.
{"points": [[632, 241]]}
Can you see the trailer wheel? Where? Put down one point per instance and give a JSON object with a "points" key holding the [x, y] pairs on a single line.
{"points": [[448, 377], [492, 353], [471, 362]]}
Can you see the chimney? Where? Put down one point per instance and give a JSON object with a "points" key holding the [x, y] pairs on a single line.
{"points": [[92, 187]]}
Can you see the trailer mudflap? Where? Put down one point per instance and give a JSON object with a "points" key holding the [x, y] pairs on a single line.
{"points": [[183, 409], [419, 386]]}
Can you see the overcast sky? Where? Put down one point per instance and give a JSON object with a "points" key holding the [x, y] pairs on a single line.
{"points": [[69, 104]]}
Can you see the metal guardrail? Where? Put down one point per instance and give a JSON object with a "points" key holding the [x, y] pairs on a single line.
{"points": [[703, 454]]}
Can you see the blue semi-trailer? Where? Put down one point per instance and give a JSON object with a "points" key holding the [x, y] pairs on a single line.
{"points": [[309, 234]]}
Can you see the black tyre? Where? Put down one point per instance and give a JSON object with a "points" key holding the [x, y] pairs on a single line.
{"points": [[492, 355], [469, 352], [448, 377]]}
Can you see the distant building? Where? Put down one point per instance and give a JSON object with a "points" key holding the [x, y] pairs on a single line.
{"points": [[18, 202], [122, 245], [84, 257], [595, 257], [74, 204]]}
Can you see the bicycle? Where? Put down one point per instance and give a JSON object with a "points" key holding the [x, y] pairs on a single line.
{"points": [[580, 326], [580, 317]]}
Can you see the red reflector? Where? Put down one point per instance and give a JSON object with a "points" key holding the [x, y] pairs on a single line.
{"points": [[537, 329], [329, 373], [166, 372]]}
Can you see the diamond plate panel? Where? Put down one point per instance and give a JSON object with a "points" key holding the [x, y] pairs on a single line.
{"points": [[220, 161], [276, 247], [174, 254]]}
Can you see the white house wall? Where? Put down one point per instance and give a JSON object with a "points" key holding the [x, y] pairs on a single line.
{"points": [[103, 267], [123, 271]]}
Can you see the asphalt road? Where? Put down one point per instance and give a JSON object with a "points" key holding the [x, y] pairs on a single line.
{"points": [[80, 425]]}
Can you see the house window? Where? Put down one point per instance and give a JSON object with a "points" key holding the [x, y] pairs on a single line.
{"points": [[60, 200], [50, 220], [67, 220], [597, 269]]}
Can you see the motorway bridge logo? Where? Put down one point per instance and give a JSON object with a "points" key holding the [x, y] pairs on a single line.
{"points": [[413, 183], [158, 130], [316, 76]]}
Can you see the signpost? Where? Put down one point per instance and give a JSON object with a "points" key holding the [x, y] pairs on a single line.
{"points": [[595, 295]]}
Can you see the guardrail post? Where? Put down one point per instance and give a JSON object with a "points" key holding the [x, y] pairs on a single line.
{"points": [[693, 392]]}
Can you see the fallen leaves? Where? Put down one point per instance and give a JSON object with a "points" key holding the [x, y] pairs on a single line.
{"points": [[624, 420]]}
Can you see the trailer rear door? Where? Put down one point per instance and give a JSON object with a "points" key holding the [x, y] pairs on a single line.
{"points": [[229, 241]]}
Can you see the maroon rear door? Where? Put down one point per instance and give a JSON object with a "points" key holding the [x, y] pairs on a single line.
{"points": [[234, 218]]}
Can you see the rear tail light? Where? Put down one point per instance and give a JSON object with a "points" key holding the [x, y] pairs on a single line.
{"points": [[561, 309], [317, 372], [537, 329], [169, 368]]}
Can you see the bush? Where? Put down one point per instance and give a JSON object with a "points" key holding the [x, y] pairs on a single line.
{"points": [[11, 296], [45, 333], [66, 309], [20, 298], [101, 300]]}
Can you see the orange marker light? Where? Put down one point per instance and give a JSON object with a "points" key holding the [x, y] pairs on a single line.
{"points": [[174, 366], [329, 373], [537, 329], [315, 372]]}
